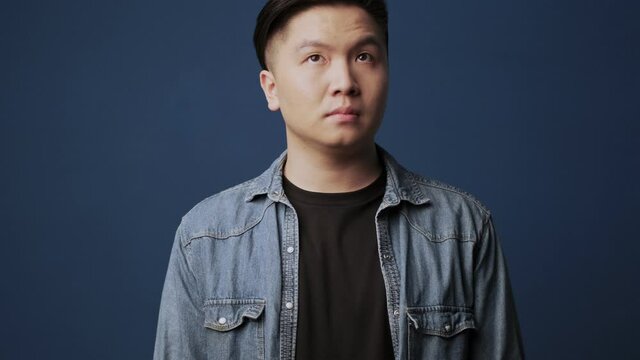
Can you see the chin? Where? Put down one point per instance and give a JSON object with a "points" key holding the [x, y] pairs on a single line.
{"points": [[348, 143]]}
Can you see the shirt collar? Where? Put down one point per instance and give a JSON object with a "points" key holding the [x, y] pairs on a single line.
{"points": [[401, 183]]}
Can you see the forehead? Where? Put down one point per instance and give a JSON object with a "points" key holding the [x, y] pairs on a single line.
{"points": [[329, 24]]}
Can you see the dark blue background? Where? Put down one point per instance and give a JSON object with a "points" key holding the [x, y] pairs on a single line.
{"points": [[117, 117]]}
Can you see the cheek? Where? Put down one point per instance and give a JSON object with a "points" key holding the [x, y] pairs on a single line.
{"points": [[379, 79], [377, 86], [299, 90]]}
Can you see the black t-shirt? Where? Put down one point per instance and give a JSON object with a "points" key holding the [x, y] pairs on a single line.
{"points": [[342, 304]]}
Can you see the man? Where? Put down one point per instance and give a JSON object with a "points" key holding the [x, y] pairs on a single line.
{"points": [[335, 251]]}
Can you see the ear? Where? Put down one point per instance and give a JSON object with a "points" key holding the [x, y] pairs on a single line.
{"points": [[268, 84]]}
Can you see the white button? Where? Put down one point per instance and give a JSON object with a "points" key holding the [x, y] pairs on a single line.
{"points": [[289, 305], [447, 327], [290, 249], [222, 321], [396, 312]]}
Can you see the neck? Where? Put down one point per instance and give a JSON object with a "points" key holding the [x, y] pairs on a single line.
{"points": [[333, 171]]}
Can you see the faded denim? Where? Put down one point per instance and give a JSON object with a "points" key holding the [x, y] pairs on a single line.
{"points": [[231, 289]]}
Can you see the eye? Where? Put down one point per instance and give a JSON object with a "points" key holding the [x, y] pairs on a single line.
{"points": [[366, 57], [315, 58]]}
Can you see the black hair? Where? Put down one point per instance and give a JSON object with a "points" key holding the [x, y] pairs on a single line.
{"points": [[276, 13]]}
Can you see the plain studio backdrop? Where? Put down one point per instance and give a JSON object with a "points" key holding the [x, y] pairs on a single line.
{"points": [[117, 117]]}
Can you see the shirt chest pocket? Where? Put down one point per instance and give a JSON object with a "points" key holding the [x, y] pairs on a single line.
{"points": [[234, 328], [439, 332]]}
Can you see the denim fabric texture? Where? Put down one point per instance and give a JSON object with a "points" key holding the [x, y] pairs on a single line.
{"points": [[231, 289]]}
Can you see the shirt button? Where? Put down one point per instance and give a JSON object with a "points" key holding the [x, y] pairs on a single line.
{"points": [[289, 305], [222, 321], [396, 312], [447, 327], [290, 249]]}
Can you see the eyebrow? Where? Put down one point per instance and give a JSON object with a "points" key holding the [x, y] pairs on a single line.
{"points": [[365, 40]]}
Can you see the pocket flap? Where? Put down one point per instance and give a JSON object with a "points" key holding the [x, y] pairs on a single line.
{"points": [[228, 314], [444, 321]]}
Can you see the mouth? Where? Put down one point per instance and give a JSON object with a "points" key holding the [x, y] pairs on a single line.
{"points": [[344, 113]]}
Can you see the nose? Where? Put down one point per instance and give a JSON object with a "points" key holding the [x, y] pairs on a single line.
{"points": [[342, 80]]}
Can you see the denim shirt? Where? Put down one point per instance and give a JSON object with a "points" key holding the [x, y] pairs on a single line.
{"points": [[231, 288]]}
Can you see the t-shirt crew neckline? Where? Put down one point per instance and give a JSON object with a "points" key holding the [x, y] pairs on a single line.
{"points": [[356, 197]]}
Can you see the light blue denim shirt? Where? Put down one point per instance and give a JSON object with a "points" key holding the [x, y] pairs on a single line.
{"points": [[231, 289]]}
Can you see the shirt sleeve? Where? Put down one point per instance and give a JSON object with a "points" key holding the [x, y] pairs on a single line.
{"points": [[180, 330], [498, 331]]}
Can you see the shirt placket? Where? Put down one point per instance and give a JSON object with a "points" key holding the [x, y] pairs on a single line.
{"points": [[289, 304], [390, 273]]}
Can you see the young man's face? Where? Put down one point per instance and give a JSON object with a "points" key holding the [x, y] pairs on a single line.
{"points": [[328, 58]]}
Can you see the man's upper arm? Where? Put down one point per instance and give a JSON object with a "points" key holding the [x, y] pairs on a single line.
{"points": [[180, 332], [498, 331]]}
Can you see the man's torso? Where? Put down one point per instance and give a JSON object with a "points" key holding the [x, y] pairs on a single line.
{"points": [[243, 246]]}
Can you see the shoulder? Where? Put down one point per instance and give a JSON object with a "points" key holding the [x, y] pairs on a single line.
{"points": [[449, 213], [419, 189], [227, 213], [447, 194]]}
